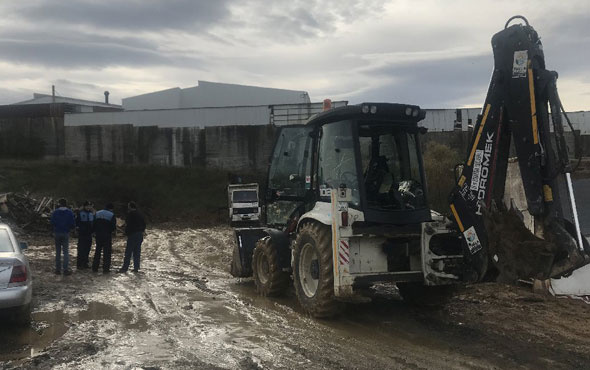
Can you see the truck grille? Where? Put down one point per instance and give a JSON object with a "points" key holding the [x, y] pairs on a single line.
{"points": [[242, 211]]}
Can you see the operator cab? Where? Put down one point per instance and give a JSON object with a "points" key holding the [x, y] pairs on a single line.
{"points": [[372, 150]]}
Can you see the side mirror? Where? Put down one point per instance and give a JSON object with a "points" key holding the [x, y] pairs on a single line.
{"points": [[23, 245]]}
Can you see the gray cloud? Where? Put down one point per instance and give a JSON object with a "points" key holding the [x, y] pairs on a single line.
{"points": [[323, 46], [8, 96], [297, 20], [567, 44], [67, 54], [441, 83], [134, 15]]}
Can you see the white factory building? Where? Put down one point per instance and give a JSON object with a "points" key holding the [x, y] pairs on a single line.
{"points": [[221, 104], [205, 105]]}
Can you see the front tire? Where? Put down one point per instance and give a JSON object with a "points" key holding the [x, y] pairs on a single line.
{"points": [[269, 278], [313, 273]]}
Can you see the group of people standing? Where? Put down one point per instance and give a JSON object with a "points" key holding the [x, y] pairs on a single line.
{"points": [[102, 225]]}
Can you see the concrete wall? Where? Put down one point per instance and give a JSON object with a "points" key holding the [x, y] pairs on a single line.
{"points": [[233, 148], [198, 117], [32, 131]]}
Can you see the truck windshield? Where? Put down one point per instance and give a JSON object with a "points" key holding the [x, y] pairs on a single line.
{"points": [[390, 167], [5, 242], [245, 196]]}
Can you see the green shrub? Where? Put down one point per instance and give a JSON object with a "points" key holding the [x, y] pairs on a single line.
{"points": [[439, 164], [163, 193]]}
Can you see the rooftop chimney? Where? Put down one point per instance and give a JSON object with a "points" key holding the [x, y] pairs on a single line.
{"points": [[106, 97]]}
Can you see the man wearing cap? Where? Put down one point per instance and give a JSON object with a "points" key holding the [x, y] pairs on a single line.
{"points": [[63, 222], [85, 226], [105, 224]]}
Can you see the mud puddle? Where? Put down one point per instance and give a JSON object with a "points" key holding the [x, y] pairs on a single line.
{"points": [[46, 327]]}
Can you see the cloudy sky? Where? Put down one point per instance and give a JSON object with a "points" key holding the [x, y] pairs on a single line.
{"points": [[433, 53]]}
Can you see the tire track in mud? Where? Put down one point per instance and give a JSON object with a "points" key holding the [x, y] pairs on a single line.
{"points": [[281, 331]]}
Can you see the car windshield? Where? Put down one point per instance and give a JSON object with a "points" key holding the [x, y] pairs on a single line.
{"points": [[5, 242], [245, 196]]}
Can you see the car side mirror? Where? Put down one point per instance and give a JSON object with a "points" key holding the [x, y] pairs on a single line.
{"points": [[23, 245]]}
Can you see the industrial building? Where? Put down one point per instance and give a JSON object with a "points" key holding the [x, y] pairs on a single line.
{"points": [[213, 124]]}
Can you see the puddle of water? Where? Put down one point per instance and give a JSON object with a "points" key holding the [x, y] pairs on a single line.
{"points": [[19, 343]]}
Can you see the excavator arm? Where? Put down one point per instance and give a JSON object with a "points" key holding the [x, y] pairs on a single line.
{"points": [[515, 122]]}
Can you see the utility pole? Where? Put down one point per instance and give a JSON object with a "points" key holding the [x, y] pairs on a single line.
{"points": [[53, 93]]}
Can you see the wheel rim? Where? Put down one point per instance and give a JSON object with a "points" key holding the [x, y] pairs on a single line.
{"points": [[263, 269], [308, 270]]}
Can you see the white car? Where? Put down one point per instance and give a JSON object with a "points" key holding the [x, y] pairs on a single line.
{"points": [[16, 283]]}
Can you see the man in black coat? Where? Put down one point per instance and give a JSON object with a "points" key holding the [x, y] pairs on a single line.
{"points": [[105, 225], [134, 228]]}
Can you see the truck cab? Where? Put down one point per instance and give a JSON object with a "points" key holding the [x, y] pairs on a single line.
{"points": [[243, 204]]}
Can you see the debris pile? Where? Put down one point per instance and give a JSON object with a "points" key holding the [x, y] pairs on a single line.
{"points": [[27, 212]]}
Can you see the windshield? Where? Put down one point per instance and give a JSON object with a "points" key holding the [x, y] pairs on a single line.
{"points": [[390, 167], [389, 159], [5, 242], [245, 196]]}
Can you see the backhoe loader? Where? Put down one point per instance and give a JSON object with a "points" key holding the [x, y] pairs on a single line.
{"points": [[346, 203]]}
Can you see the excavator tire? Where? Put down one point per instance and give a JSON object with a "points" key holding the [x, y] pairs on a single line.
{"points": [[419, 294], [313, 273], [269, 278]]}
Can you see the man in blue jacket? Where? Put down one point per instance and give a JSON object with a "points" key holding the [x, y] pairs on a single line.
{"points": [[104, 226], [63, 222], [85, 226]]}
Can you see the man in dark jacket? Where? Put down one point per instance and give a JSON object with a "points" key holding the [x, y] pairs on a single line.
{"points": [[105, 225], [134, 228], [63, 222], [85, 225]]}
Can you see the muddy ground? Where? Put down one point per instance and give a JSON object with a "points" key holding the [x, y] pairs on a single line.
{"points": [[184, 310]]}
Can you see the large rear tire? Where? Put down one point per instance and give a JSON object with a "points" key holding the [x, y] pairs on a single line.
{"points": [[269, 278], [313, 273]]}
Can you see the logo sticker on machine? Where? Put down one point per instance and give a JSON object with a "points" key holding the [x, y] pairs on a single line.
{"points": [[476, 174], [472, 240], [519, 67]]}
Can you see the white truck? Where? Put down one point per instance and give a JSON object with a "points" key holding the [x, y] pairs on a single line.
{"points": [[243, 204]]}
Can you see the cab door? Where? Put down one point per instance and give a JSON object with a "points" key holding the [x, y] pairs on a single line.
{"points": [[289, 177]]}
